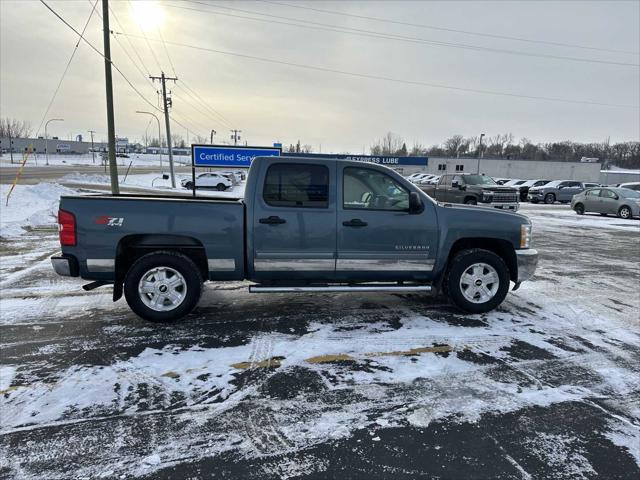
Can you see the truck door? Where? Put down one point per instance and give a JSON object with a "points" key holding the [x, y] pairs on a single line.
{"points": [[294, 221], [378, 239]]}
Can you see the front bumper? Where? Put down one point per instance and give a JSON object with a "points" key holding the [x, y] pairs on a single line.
{"points": [[503, 206], [65, 265], [527, 260]]}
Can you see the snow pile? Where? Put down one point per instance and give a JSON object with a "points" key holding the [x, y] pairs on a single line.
{"points": [[29, 206]]}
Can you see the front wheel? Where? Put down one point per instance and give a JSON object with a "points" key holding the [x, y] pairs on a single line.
{"points": [[470, 201], [163, 286], [477, 280], [549, 198], [624, 212], [221, 187], [579, 208]]}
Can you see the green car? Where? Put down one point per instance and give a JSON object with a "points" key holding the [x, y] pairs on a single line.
{"points": [[623, 202]]}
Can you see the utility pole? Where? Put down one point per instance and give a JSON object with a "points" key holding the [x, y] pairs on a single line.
{"points": [[93, 152], [111, 126], [235, 137], [213, 132], [167, 104]]}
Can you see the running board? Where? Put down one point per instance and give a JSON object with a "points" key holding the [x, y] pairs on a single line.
{"points": [[342, 288]]}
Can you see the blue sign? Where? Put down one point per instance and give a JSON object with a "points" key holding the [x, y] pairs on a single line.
{"points": [[228, 155], [389, 161]]}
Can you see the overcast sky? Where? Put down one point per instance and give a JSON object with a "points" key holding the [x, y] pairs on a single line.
{"points": [[274, 102]]}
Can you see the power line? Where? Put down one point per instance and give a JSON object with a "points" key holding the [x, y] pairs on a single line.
{"points": [[194, 95], [201, 112], [166, 50], [145, 37], [453, 30], [101, 54], [146, 70], [387, 36], [395, 80], [66, 69]]}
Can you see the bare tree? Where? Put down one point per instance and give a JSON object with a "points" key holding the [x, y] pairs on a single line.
{"points": [[200, 139], [391, 144], [11, 127], [177, 141], [456, 146]]}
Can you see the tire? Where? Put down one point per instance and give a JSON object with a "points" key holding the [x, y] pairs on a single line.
{"points": [[624, 212], [603, 214], [549, 198], [481, 264], [188, 185], [579, 208], [534, 200], [221, 187], [150, 267], [470, 201]]}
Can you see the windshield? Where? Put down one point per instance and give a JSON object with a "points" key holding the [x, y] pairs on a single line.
{"points": [[479, 180], [627, 193], [555, 183]]}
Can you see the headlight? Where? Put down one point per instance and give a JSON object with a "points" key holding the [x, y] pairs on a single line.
{"points": [[525, 236], [487, 196]]}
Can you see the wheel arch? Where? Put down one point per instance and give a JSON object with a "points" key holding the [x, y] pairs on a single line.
{"points": [[131, 247], [503, 248]]}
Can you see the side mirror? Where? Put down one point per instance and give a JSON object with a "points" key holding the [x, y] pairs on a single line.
{"points": [[415, 204], [455, 184], [165, 176]]}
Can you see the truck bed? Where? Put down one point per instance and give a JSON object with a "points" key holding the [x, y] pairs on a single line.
{"points": [[107, 223]]}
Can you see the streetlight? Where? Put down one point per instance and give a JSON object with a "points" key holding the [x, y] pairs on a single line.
{"points": [[480, 153], [159, 141], [46, 137]]}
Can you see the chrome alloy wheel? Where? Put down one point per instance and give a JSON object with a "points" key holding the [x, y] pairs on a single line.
{"points": [[479, 283], [162, 289]]}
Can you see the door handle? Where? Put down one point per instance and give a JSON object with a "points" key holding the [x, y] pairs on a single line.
{"points": [[273, 220], [356, 222]]}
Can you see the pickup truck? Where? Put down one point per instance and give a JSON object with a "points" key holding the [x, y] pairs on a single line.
{"points": [[305, 225], [473, 189]]}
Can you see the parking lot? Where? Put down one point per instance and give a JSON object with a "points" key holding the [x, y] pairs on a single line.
{"points": [[331, 385]]}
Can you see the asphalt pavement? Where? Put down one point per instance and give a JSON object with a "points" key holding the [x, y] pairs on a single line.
{"points": [[331, 385]]}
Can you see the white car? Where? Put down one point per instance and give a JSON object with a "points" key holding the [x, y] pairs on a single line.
{"points": [[208, 180]]}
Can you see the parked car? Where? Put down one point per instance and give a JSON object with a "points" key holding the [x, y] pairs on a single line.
{"points": [[305, 225], [631, 185], [425, 180], [623, 202], [414, 176], [502, 181], [514, 183], [523, 188], [555, 191], [209, 180], [418, 177], [473, 189]]}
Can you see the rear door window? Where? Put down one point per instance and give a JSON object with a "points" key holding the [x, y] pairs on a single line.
{"points": [[297, 185]]}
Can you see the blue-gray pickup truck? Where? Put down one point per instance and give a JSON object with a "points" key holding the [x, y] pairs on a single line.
{"points": [[304, 225]]}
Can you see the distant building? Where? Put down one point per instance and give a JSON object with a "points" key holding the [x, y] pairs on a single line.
{"points": [[55, 145]]}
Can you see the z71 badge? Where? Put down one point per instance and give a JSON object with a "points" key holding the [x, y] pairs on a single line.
{"points": [[110, 221]]}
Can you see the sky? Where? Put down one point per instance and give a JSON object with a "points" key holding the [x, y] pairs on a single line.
{"points": [[425, 70]]}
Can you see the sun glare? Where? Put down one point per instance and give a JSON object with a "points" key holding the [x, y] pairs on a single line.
{"points": [[148, 14]]}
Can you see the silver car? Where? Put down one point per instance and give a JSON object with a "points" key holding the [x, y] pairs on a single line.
{"points": [[622, 202]]}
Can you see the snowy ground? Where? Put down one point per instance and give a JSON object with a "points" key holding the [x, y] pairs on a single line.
{"points": [[138, 159], [326, 386]]}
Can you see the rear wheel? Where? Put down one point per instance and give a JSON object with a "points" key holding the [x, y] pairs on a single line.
{"points": [[549, 198], [477, 280], [624, 212], [221, 187], [163, 286], [603, 214], [579, 208]]}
